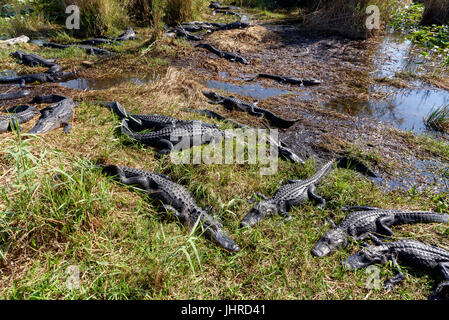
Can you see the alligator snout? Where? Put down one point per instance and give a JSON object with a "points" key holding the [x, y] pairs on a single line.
{"points": [[225, 241], [320, 250]]}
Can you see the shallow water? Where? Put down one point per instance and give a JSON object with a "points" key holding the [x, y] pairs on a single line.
{"points": [[403, 108]]}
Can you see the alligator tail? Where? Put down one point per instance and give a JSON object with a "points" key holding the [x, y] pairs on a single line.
{"points": [[355, 164], [421, 217]]}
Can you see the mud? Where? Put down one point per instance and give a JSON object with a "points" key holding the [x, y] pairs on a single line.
{"points": [[359, 107]]}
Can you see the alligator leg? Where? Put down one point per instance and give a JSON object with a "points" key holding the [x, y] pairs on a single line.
{"points": [[399, 277], [165, 147], [258, 194], [67, 127], [313, 196], [283, 211], [181, 216], [444, 268], [383, 224]]}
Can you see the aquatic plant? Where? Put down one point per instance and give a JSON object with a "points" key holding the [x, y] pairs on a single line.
{"points": [[438, 119]]}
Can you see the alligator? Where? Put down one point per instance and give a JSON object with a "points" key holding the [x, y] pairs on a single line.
{"points": [[32, 60], [175, 199], [87, 48], [18, 94], [223, 54], [48, 98], [140, 122], [96, 41], [360, 224], [16, 116], [411, 253], [283, 150], [231, 103], [195, 26], [220, 6], [182, 33], [42, 77], [234, 25], [184, 135], [231, 13], [294, 193], [289, 80], [129, 34], [55, 116]]}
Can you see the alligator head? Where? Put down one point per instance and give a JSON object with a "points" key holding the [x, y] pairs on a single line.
{"points": [[311, 82], [18, 54], [364, 258], [220, 237], [261, 210], [212, 95], [330, 242]]}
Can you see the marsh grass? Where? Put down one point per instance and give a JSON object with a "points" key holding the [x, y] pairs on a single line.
{"points": [[57, 209], [438, 119]]}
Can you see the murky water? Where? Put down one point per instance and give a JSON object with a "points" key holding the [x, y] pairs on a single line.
{"points": [[403, 108]]}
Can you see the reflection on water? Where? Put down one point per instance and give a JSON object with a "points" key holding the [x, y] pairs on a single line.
{"points": [[403, 108], [255, 91]]}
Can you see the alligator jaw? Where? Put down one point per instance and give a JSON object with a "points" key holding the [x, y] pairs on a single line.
{"points": [[225, 241]]}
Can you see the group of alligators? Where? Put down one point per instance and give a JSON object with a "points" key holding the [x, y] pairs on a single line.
{"points": [[361, 224]]}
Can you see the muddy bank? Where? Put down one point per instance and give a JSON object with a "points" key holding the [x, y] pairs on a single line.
{"points": [[355, 110]]}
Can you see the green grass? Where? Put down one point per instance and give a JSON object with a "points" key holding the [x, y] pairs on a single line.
{"points": [[438, 119]]}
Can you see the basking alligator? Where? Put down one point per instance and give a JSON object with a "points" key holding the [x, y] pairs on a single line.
{"points": [[54, 116], [43, 77], [33, 59], [289, 80], [176, 199], [223, 54], [16, 116], [185, 135], [140, 122], [14, 95], [97, 41], [283, 150], [234, 25], [129, 34], [360, 224], [232, 103], [409, 252], [87, 48], [219, 5], [293, 193], [182, 33]]}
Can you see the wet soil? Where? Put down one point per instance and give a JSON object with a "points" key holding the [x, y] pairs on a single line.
{"points": [[356, 109]]}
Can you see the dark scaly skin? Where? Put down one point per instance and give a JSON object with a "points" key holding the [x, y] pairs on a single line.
{"points": [[55, 116], [14, 95], [176, 199], [38, 77], [140, 122], [287, 196], [182, 33], [87, 48], [16, 116], [167, 138], [234, 25], [129, 34], [97, 41], [360, 224], [411, 253], [232, 103], [283, 151], [219, 5], [289, 80], [32, 60], [223, 54]]}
